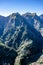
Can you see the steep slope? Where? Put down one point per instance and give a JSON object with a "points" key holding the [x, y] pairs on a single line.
{"points": [[3, 23], [7, 54], [34, 20], [19, 30], [22, 38]]}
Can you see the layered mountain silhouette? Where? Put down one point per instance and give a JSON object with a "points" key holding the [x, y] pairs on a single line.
{"points": [[21, 38]]}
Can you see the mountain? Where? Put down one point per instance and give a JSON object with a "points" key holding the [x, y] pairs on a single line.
{"points": [[21, 38], [36, 21], [41, 16]]}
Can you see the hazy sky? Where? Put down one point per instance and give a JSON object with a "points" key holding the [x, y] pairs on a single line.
{"points": [[22, 6]]}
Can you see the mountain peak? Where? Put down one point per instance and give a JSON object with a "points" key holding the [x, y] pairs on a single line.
{"points": [[29, 14], [15, 14]]}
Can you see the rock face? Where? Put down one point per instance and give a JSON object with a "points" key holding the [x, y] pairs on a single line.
{"points": [[7, 54], [36, 21], [21, 38]]}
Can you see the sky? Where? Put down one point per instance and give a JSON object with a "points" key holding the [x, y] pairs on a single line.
{"points": [[8, 7]]}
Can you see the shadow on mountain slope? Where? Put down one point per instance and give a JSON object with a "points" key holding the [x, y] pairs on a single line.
{"points": [[21, 42]]}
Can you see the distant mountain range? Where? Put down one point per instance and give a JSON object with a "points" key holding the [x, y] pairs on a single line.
{"points": [[21, 38]]}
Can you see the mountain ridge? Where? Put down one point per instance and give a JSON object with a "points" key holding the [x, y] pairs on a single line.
{"points": [[24, 33]]}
